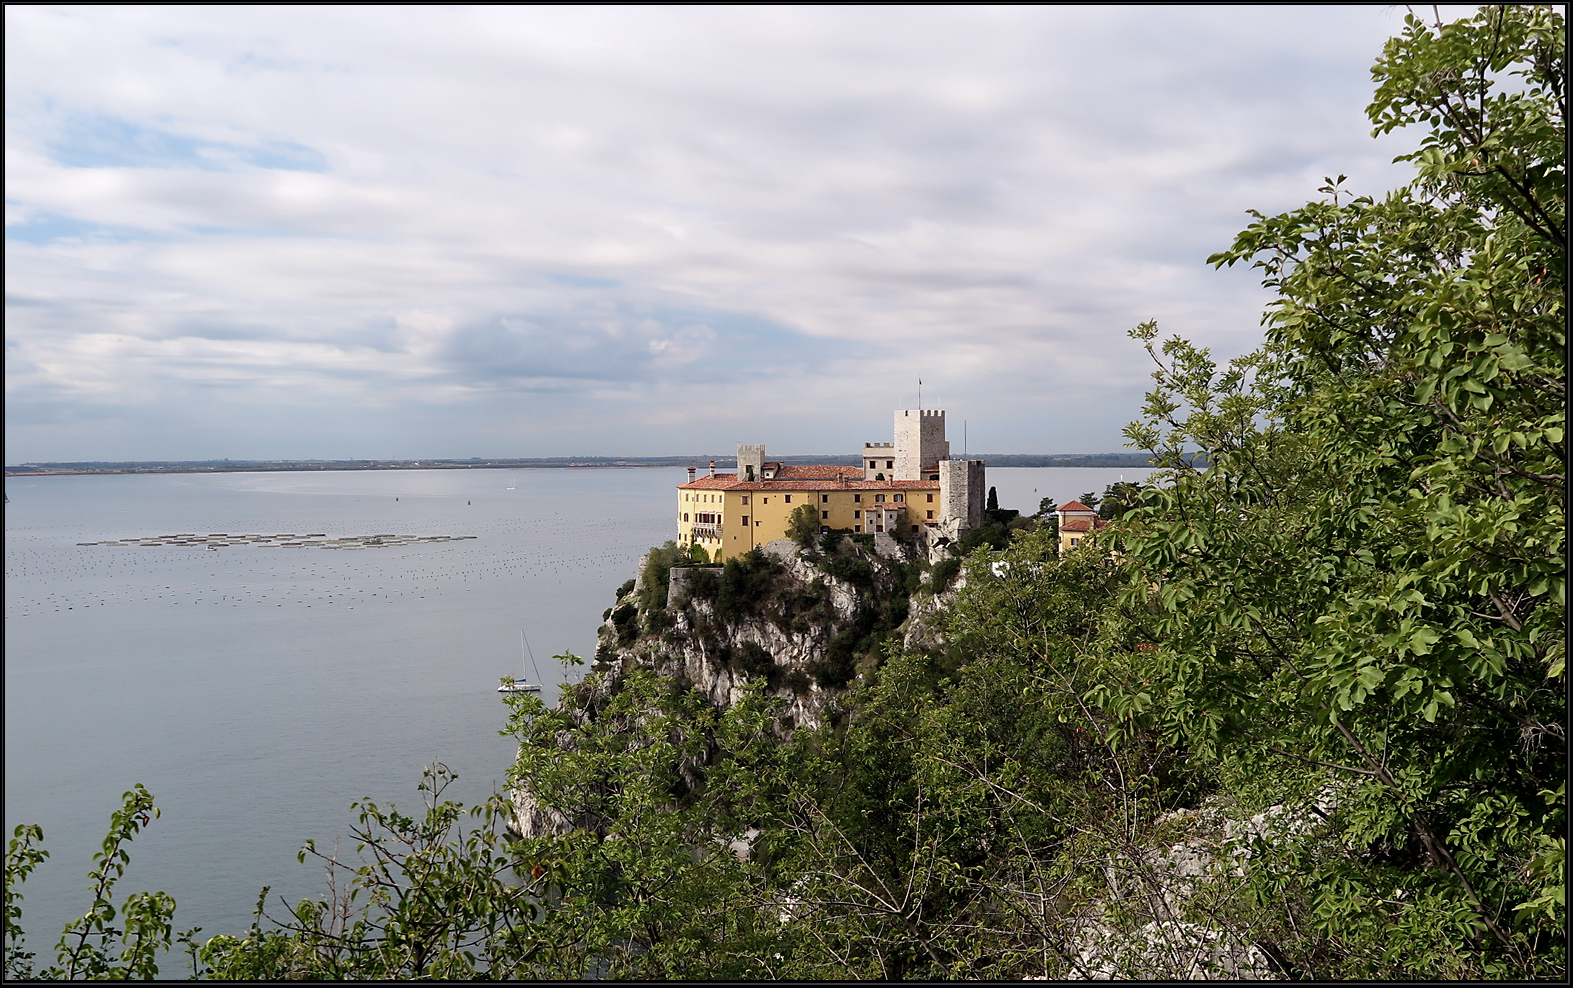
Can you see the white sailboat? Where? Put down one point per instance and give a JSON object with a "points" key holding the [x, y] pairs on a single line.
{"points": [[511, 685]]}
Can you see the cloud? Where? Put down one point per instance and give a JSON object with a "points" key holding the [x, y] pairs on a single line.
{"points": [[629, 230]]}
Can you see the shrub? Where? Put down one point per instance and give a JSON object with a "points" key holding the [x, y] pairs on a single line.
{"points": [[753, 660], [803, 525], [703, 584], [831, 539], [745, 582], [850, 569], [840, 662], [658, 573], [944, 573], [626, 620]]}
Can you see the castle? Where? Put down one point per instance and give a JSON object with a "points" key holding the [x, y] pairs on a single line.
{"points": [[906, 488]]}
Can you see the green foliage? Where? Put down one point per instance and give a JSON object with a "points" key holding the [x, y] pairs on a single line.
{"points": [[994, 500], [698, 554], [657, 575], [752, 659], [647, 886], [746, 582], [425, 898], [1367, 575], [1119, 498], [626, 620], [831, 540], [95, 947], [703, 584], [22, 855], [995, 532], [851, 569], [803, 525], [944, 574]]}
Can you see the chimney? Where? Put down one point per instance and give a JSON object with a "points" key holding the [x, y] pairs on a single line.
{"points": [[691, 474], [712, 468]]}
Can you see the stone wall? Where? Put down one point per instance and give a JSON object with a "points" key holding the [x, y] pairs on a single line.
{"points": [[962, 491], [919, 442]]}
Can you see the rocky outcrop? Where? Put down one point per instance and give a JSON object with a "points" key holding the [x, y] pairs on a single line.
{"points": [[1198, 846], [782, 638], [699, 648], [926, 617]]}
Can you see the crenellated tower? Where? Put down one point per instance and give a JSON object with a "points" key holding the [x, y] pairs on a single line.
{"points": [[919, 444]]}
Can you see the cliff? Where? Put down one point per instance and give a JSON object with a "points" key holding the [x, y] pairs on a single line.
{"points": [[805, 622]]}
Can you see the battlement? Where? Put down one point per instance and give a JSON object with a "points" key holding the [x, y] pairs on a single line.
{"points": [[879, 445]]}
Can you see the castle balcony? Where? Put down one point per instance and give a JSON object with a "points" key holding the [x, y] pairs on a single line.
{"points": [[707, 533]]}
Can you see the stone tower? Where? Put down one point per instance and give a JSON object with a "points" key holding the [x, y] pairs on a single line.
{"points": [[750, 461], [919, 443], [961, 491]]}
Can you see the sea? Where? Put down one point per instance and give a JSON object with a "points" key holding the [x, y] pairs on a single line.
{"points": [[348, 630]]}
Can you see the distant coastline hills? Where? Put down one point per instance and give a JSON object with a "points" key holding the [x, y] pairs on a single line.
{"points": [[702, 461]]}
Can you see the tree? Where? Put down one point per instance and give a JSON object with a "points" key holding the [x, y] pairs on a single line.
{"points": [[1364, 577], [95, 946], [994, 499], [803, 525], [1119, 498]]}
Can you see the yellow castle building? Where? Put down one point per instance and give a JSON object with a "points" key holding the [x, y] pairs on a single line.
{"points": [[908, 488]]}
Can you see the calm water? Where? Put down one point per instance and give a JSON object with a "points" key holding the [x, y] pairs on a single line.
{"points": [[257, 691]]}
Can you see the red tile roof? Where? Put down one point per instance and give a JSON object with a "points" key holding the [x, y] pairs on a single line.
{"points": [[1083, 524], [1075, 506], [808, 478], [821, 472]]}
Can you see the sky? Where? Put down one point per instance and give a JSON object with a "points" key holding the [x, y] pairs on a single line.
{"points": [[355, 232]]}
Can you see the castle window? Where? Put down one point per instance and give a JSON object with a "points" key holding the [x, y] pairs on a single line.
{"points": [[685, 516], [857, 514], [900, 498], [858, 498], [931, 514], [824, 514], [789, 499], [745, 520], [745, 498], [879, 499], [931, 499], [889, 464], [824, 499]]}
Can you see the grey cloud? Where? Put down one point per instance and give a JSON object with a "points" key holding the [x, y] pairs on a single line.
{"points": [[626, 211]]}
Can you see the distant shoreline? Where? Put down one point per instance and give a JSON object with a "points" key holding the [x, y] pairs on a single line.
{"points": [[701, 461]]}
